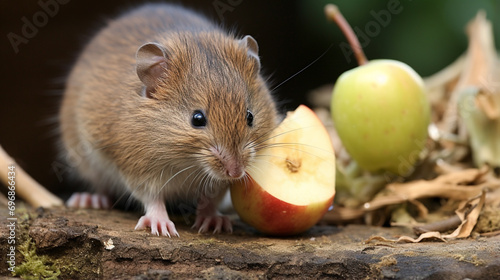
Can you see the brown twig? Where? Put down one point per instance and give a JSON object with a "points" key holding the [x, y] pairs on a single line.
{"points": [[491, 233], [441, 226]]}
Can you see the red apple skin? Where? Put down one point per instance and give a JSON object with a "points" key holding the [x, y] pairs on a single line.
{"points": [[272, 216]]}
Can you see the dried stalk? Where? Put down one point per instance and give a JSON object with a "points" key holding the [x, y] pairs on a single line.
{"points": [[26, 187]]}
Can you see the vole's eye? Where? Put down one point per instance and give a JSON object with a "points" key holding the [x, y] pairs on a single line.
{"points": [[198, 120], [249, 118]]}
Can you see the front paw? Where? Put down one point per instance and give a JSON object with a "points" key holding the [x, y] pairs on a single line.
{"points": [[219, 223], [158, 225]]}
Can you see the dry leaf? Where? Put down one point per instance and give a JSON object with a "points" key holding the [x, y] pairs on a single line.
{"points": [[465, 101], [455, 185], [407, 239], [476, 98], [458, 185], [468, 221], [440, 86], [462, 231]]}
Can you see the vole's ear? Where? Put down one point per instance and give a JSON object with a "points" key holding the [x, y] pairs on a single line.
{"points": [[252, 47], [151, 64]]}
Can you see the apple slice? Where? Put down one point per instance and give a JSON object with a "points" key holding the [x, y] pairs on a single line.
{"points": [[291, 184]]}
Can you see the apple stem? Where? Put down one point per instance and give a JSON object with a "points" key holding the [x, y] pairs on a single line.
{"points": [[333, 13]]}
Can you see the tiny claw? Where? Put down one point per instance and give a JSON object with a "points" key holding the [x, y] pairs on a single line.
{"points": [[141, 224], [208, 218], [170, 229], [72, 201], [206, 224], [95, 201], [218, 223], [154, 228], [158, 225], [85, 201], [228, 227], [105, 202], [164, 230], [88, 200]]}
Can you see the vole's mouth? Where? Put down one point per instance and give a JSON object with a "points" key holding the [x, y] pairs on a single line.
{"points": [[222, 175]]}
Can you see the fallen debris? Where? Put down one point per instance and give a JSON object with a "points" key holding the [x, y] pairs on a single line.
{"points": [[460, 166]]}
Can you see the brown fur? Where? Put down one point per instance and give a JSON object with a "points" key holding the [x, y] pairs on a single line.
{"points": [[128, 142]]}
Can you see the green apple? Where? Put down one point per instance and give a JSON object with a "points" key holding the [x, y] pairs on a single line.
{"points": [[381, 113], [292, 185], [380, 110]]}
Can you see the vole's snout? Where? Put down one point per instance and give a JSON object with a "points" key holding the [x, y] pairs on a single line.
{"points": [[234, 169], [232, 166]]}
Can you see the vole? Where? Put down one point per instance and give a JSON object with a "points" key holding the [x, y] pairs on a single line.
{"points": [[164, 104]]}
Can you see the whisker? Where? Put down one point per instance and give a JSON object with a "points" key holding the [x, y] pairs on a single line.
{"points": [[128, 202], [256, 144], [192, 182], [172, 177], [203, 177], [259, 138], [291, 145], [311, 150], [309, 65], [133, 191], [256, 169]]}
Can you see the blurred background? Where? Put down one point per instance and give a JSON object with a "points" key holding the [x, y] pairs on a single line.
{"points": [[40, 40]]}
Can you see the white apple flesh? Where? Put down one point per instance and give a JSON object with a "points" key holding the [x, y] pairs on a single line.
{"points": [[291, 184]]}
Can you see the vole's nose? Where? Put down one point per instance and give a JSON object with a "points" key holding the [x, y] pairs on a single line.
{"points": [[234, 169], [236, 174], [233, 166]]}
